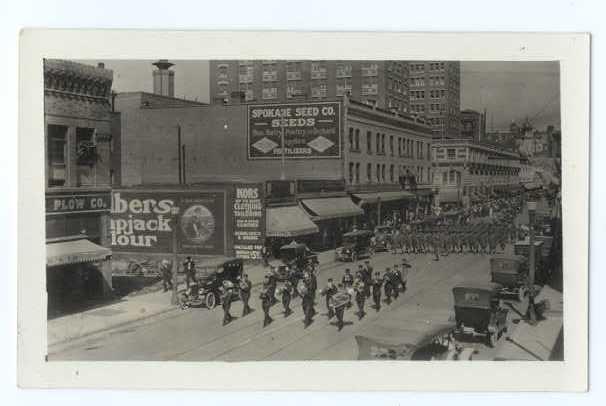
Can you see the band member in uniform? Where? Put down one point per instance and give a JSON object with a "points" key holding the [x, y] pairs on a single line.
{"points": [[190, 271], [313, 285], [339, 308], [436, 246], [368, 276], [226, 299], [265, 256], [397, 281], [347, 279], [377, 283], [360, 293], [307, 301], [286, 292], [265, 304], [387, 285], [272, 282], [328, 292], [245, 289]]}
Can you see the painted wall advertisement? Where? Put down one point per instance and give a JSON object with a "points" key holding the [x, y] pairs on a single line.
{"points": [[144, 221], [311, 130], [249, 221]]}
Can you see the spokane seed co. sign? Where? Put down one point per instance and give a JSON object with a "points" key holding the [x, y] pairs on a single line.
{"points": [[311, 130]]}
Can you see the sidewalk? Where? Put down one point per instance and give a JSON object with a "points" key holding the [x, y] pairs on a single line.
{"points": [[135, 308]]}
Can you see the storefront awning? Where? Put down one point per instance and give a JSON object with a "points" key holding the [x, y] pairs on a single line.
{"points": [[75, 252], [371, 198], [331, 207], [290, 221]]}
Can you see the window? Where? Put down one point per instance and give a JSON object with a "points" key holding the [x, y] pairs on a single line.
{"points": [[270, 93], [245, 74], [399, 146], [383, 172], [318, 70], [391, 150], [451, 153], [370, 69], [357, 139], [351, 138], [344, 86], [270, 73], [378, 142], [391, 178], [369, 172], [369, 142], [351, 172], [343, 70], [444, 178], [378, 173], [86, 152], [319, 90], [383, 144], [57, 155], [293, 71], [357, 172]]}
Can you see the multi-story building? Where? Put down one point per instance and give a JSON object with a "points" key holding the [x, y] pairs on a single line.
{"points": [[78, 145], [383, 84], [465, 171], [473, 125], [434, 89]]}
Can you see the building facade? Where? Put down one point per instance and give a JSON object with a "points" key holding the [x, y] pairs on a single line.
{"points": [[465, 172], [435, 93], [78, 148], [312, 156], [473, 125], [383, 84]]}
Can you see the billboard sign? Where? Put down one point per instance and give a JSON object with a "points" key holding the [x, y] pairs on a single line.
{"points": [[146, 221], [311, 130], [249, 221]]}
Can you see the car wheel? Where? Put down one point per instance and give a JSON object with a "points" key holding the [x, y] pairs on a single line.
{"points": [[210, 300]]}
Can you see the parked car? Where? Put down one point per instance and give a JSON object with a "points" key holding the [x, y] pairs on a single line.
{"points": [[510, 272], [383, 240], [356, 244], [478, 312], [215, 275], [292, 260]]}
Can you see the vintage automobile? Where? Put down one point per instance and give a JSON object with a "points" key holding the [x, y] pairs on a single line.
{"points": [[292, 260], [382, 240], [212, 276], [478, 312], [510, 272], [356, 244]]}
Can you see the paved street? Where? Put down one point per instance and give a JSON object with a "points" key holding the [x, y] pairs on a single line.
{"points": [[197, 334]]}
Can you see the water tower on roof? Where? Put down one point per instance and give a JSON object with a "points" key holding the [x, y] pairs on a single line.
{"points": [[164, 78]]}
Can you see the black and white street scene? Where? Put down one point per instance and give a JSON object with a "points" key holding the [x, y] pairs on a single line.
{"points": [[267, 210]]}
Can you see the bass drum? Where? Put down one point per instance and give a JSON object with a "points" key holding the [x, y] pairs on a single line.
{"points": [[302, 288]]}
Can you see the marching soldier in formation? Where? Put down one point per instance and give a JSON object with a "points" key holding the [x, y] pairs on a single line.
{"points": [[377, 283], [286, 293], [328, 292], [245, 289], [266, 303], [360, 295]]}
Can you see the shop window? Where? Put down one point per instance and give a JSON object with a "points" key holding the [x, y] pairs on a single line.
{"points": [[86, 151], [57, 155]]}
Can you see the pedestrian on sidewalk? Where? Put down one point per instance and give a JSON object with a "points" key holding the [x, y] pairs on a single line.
{"points": [[245, 290], [265, 304], [360, 293], [226, 299], [271, 280], [377, 283], [339, 301], [307, 302], [166, 270], [328, 292], [347, 279], [388, 285], [368, 276], [190, 271], [265, 256], [286, 293], [314, 284], [397, 281]]}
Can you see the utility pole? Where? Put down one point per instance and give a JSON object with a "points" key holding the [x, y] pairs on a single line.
{"points": [[179, 154], [174, 297]]}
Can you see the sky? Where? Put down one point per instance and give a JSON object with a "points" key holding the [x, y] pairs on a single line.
{"points": [[509, 91]]}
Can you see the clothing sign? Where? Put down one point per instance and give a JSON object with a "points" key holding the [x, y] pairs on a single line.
{"points": [[308, 130], [249, 221]]}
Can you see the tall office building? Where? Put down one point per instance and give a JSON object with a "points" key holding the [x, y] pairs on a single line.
{"points": [[435, 93], [383, 84]]}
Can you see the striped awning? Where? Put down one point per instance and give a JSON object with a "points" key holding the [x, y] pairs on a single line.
{"points": [[289, 221], [331, 208], [75, 252]]}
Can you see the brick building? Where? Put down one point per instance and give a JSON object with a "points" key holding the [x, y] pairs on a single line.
{"points": [[383, 84], [78, 148], [435, 93], [473, 125]]}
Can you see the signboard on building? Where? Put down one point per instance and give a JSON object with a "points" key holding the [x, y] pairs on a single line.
{"points": [[249, 221], [311, 130], [77, 203], [146, 221]]}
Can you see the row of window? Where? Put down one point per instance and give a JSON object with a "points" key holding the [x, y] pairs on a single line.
{"points": [[406, 147], [420, 173], [433, 66]]}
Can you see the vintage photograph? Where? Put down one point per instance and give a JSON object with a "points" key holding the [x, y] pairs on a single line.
{"points": [[295, 210]]}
